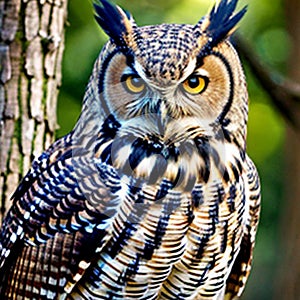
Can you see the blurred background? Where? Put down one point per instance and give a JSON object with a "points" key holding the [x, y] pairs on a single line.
{"points": [[265, 27]]}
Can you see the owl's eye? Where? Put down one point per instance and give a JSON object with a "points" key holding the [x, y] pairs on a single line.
{"points": [[195, 84], [133, 83]]}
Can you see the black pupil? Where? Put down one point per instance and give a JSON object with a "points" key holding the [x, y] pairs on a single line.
{"points": [[137, 82], [193, 82]]}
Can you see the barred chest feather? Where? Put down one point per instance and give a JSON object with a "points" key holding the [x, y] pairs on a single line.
{"points": [[182, 153], [178, 216]]}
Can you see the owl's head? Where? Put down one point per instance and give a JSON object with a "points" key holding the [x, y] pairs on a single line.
{"points": [[166, 88]]}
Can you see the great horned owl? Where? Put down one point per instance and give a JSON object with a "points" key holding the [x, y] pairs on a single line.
{"points": [[152, 195]]}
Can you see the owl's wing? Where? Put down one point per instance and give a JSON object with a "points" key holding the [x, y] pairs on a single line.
{"points": [[41, 272], [242, 265], [56, 212]]}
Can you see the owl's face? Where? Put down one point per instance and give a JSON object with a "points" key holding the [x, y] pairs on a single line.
{"points": [[166, 75], [168, 88]]}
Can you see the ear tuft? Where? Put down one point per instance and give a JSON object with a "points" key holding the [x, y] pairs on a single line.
{"points": [[117, 23], [221, 21]]}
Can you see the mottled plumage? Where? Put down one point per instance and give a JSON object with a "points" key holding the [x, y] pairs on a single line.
{"points": [[152, 194]]}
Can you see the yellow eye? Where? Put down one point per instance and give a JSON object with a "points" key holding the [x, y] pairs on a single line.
{"points": [[195, 84], [133, 84]]}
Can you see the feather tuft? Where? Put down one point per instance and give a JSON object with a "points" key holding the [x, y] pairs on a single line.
{"points": [[116, 23], [221, 21]]}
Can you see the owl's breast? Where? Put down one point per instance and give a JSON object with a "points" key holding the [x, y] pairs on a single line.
{"points": [[178, 208], [183, 155], [161, 236]]}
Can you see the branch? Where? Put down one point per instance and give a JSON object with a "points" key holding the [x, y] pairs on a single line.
{"points": [[284, 93]]}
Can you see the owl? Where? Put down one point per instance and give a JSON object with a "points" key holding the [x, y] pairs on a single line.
{"points": [[152, 194]]}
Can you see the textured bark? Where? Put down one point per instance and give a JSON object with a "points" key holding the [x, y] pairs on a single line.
{"points": [[31, 47], [290, 263]]}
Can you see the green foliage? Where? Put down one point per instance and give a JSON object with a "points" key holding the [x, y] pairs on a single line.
{"points": [[264, 141], [264, 27]]}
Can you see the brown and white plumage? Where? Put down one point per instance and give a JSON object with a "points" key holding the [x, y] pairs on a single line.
{"points": [[152, 195]]}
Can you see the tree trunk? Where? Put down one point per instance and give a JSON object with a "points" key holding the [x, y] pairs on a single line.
{"points": [[31, 48], [290, 260]]}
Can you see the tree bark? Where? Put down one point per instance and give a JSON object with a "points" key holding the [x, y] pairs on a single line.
{"points": [[31, 48], [290, 260]]}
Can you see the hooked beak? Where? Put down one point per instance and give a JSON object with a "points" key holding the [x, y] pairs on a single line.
{"points": [[162, 116]]}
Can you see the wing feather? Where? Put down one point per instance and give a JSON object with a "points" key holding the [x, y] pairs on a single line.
{"points": [[242, 265], [45, 233]]}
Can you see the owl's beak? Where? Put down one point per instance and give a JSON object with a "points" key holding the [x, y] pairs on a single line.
{"points": [[162, 117]]}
